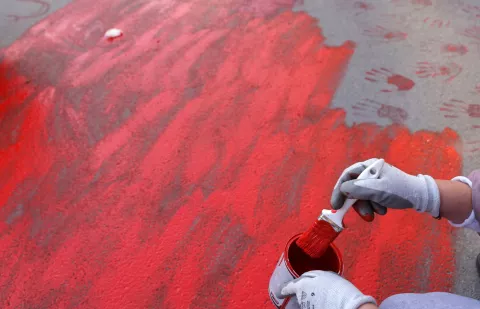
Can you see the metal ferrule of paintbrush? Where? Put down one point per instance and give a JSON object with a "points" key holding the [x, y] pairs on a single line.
{"points": [[337, 228]]}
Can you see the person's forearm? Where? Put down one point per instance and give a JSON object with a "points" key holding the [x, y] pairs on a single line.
{"points": [[368, 306], [455, 200]]}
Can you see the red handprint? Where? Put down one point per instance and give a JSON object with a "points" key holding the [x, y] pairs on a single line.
{"points": [[422, 2], [436, 23], [369, 110], [358, 7], [362, 7], [457, 108], [396, 82], [450, 49], [416, 4], [477, 89], [472, 10], [450, 70], [385, 34], [472, 32], [471, 144], [458, 49], [472, 148]]}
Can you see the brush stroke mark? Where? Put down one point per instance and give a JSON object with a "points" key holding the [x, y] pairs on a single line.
{"points": [[394, 82], [368, 110], [43, 8]]}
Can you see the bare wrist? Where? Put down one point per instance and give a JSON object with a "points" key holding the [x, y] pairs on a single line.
{"points": [[455, 200], [368, 306]]}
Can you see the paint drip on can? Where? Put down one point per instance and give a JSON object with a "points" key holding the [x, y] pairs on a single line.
{"points": [[293, 263]]}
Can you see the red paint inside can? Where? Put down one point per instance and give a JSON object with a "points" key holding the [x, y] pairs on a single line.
{"points": [[299, 262]]}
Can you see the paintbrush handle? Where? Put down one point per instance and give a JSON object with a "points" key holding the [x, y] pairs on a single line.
{"points": [[336, 216]]}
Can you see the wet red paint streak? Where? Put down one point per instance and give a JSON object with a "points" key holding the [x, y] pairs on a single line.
{"points": [[168, 168]]}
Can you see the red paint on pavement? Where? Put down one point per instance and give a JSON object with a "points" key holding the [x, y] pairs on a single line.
{"points": [[169, 168]]}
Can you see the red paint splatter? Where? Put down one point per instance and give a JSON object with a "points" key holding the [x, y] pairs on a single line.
{"points": [[449, 70], [397, 81], [183, 157], [368, 110]]}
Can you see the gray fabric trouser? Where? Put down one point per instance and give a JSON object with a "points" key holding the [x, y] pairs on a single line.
{"points": [[435, 300]]}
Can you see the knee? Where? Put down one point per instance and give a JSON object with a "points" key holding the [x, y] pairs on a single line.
{"points": [[398, 301]]}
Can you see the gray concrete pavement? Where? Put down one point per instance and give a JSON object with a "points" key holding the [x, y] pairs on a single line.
{"points": [[17, 16]]}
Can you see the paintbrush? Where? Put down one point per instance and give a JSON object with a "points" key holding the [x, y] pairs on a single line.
{"points": [[316, 240]]}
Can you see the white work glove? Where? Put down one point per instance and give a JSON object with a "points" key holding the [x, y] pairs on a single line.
{"points": [[393, 189], [325, 290]]}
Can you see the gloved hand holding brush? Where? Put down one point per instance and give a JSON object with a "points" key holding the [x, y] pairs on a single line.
{"points": [[374, 186], [398, 190]]}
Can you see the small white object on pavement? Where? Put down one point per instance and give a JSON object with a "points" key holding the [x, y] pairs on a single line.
{"points": [[113, 33]]}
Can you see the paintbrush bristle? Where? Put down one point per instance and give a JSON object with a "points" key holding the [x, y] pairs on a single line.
{"points": [[316, 240]]}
